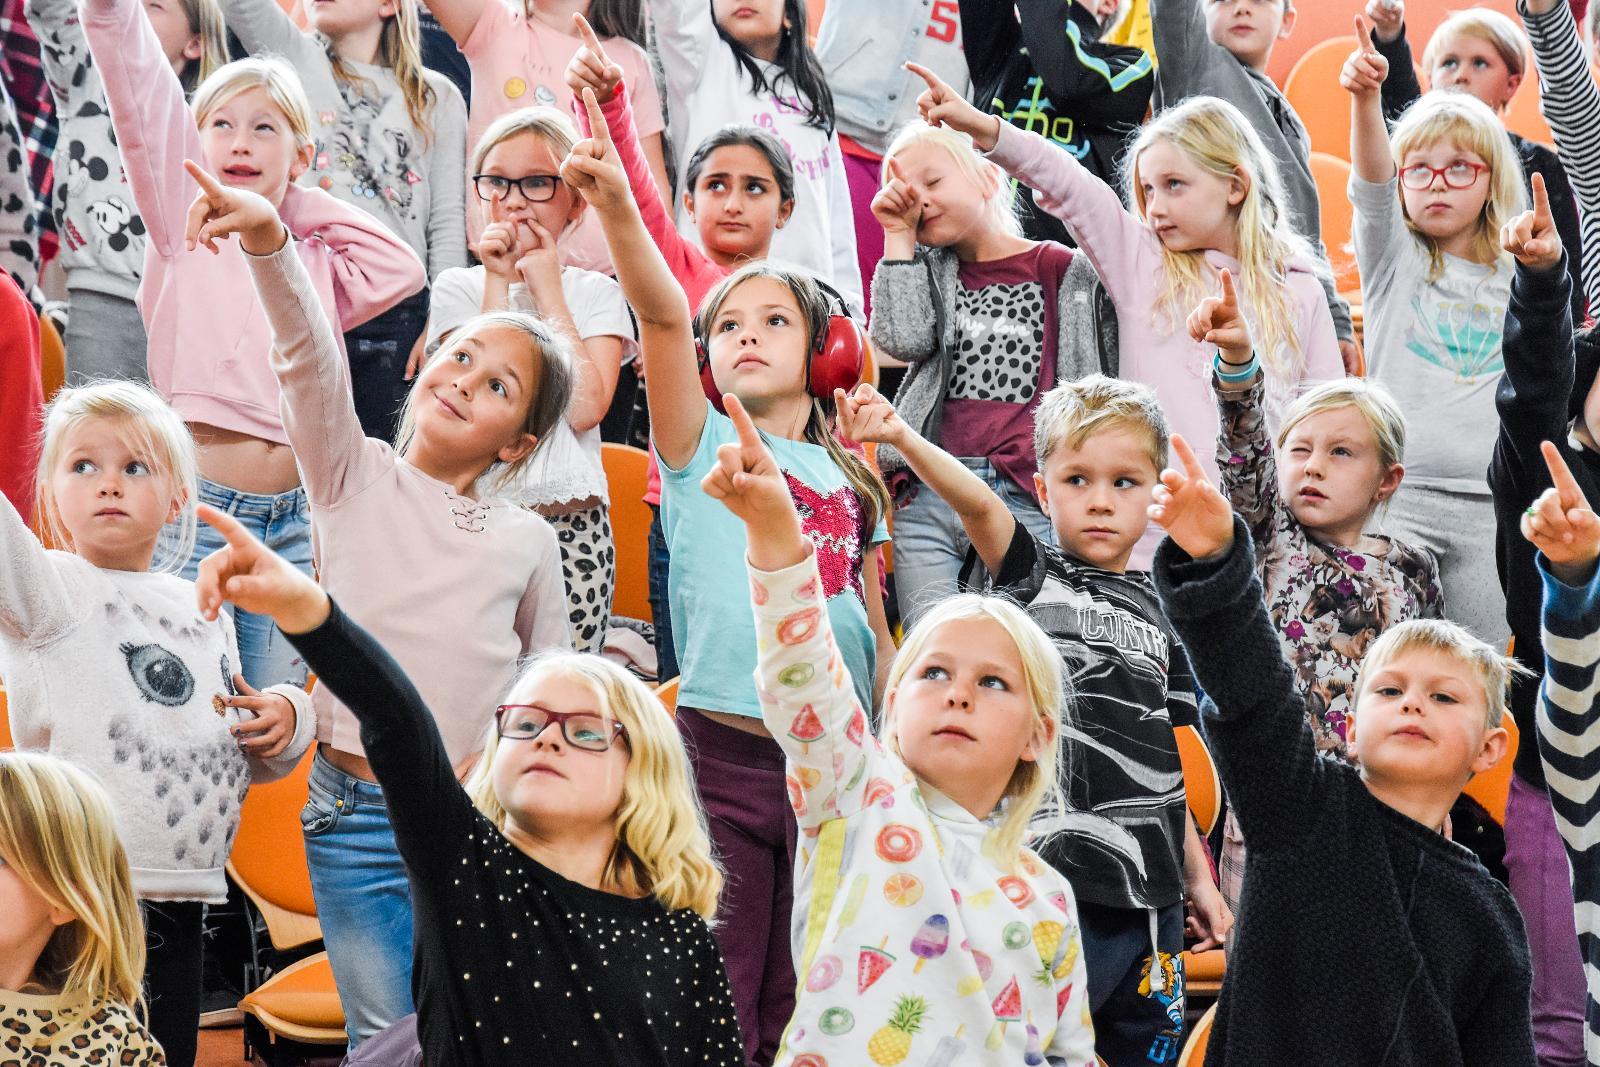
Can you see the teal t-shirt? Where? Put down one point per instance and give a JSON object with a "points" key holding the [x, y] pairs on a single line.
{"points": [[709, 593]]}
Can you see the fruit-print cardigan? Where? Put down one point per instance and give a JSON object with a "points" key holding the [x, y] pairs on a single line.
{"points": [[914, 946]]}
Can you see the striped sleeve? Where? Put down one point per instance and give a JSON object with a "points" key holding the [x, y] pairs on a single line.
{"points": [[1571, 104]]}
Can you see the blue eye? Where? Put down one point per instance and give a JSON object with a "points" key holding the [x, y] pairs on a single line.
{"points": [[160, 676], [136, 467], [994, 682], [83, 466], [930, 673]]}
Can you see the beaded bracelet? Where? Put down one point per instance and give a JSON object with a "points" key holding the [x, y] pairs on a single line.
{"points": [[1244, 372]]}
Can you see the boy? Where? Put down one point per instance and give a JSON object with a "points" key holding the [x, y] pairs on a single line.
{"points": [[1366, 936], [1124, 835]]}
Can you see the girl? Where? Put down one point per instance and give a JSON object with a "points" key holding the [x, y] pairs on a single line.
{"points": [[1205, 197], [518, 57], [70, 935], [390, 140], [405, 539], [516, 173], [103, 237], [759, 332], [1332, 588], [967, 752], [747, 61], [989, 322], [562, 896], [154, 703], [1429, 200], [250, 124]]}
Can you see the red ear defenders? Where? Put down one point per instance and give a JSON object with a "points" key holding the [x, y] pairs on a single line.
{"points": [[836, 360]]}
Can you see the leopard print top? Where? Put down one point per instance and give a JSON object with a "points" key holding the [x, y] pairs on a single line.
{"points": [[60, 1031]]}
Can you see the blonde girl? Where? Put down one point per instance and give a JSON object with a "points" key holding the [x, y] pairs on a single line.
{"points": [[756, 333], [1203, 195], [414, 538], [71, 941], [155, 694], [1430, 198], [102, 234], [390, 136], [989, 322], [937, 804], [516, 175], [250, 126], [562, 898]]}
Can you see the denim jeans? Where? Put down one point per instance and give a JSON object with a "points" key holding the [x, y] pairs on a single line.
{"points": [[930, 544], [283, 522], [660, 562], [378, 351], [363, 898]]}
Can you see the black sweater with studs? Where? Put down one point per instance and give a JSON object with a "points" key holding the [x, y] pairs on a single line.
{"points": [[513, 963]]}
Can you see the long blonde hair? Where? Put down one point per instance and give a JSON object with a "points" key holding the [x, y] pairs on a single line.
{"points": [[205, 21], [1217, 138], [1033, 783], [1001, 208], [59, 836], [663, 847], [399, 49]]}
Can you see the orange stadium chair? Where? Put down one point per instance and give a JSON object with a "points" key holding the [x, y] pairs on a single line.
{"points": [[667, 693], [1332, 175], [5, 722], [52, 358], [1312, 89], [1493, 787], [627, 470], [1202, 971], [1194, 1051]]}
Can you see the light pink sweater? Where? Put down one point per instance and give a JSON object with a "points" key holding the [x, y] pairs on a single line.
{"points": [[208, 336]]}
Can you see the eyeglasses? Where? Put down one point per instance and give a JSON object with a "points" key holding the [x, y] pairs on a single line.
{"points": [[581, 729], [1458, 175], [535, 188]]}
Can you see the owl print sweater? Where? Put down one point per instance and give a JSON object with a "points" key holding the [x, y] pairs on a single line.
{"points": [[117, 673]]}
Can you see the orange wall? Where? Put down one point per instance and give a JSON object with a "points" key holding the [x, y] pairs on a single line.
{"points": [[1319, 19]]}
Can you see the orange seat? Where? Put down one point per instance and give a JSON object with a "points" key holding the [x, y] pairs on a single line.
{"points": [[627, 476], [1312, 89], [1332, 175], [1493, 786], [52, 358], [667, 693], [1194, 1050], [5, 722], [1201, 785], [300, 1003], [1203, 971], [269, 857]]}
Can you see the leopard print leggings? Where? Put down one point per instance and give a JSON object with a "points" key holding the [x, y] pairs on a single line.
{"points": [[589, 565]]}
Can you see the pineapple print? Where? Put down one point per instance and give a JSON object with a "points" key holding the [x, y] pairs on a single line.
{"points": [[892, 1043], [1047, 940]]}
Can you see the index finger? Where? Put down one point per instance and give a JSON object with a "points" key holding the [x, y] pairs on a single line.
{"points": [[894, 168], [231, 529], [933, 80], [1364, 35], [1230, 295], [586, 31], [749, 439], [1561, 477], [1191, 463], [599, 129], [204, 178], [1541, 198]]}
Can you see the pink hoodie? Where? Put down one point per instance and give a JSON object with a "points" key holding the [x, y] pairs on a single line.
{"points": [[209, 338]]}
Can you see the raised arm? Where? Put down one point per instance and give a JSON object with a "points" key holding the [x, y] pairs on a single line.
{"points": [[1400, 88], [1362, 77], [686, 32], [373, 270], [265, 28], [35, 600], [1189, 63], [1106, 86], [458, 17], [447, 179]]}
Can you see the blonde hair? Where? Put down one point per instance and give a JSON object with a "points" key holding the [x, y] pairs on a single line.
{"points": [[1467, 123], [276, 77], [1073, 411], [1487, 665], [1498, 30], [58, 834], [663, 847], [152, 431], [1375, 403], [1001, 207], [1033, 784], [546, 123], [399, 49], [205, 21], [549, 391], [1217, 138]]}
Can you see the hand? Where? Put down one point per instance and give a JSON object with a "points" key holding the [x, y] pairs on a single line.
{"points": [[268, 733], [1208, 918], [248, 573], [219, 210], [940, 104], [749, 483], [1532, 236], [592, 167], [898, 205], [1388, 18], [1365, 70], [866, 415], [497, 249], [1218, 321], [1189, 507], [590, 68], [1562, 525], [419, 356], [1350, 356], [538, 263]]}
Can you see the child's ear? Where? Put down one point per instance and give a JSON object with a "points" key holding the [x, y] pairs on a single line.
{"points": [[1289, 16], [1512, 84], [180, 500], [517, 449], [784, 211], [1495, 744], [688, 203], [1238, 186], [302, 161], [579, 204], [61, 916], [1350, 725], [1044, 732], [1391, 481], [1041, 490], [193, 48]]}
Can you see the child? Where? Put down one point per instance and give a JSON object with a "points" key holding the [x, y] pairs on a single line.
{"points": [[771, 336], [102, 235], [989, 322], [747, 61], [1429, 200], [1205, 197], [1123, 835], [517, 163], [970, 720], [1422, 952], [390, 140], [108, 665], [209, 342], [1221, 48], [1332, 588], [70, 935], [403, 537], [1485, 53], [563, 895]]}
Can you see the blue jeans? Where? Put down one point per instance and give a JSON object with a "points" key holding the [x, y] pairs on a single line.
{"points": [[363, 898], [930, 544], [283, 522], [660, 562]]}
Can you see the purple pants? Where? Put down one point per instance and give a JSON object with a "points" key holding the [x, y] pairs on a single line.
{"points": [[861, 175], [1541, 882], [740, 777]]}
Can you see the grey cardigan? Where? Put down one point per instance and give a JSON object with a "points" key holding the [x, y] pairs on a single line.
{"points": [[914, 320]]}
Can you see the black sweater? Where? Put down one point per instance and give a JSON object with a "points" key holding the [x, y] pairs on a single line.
{"points": [[1364, 937], [514, 964]]}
